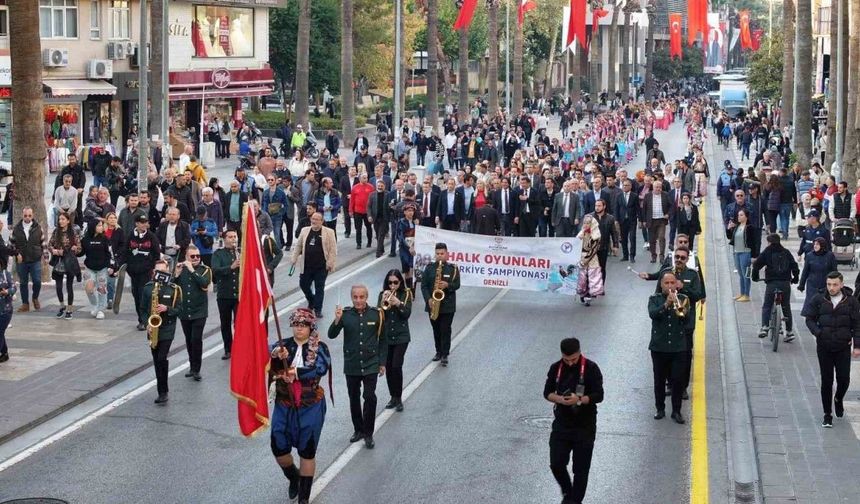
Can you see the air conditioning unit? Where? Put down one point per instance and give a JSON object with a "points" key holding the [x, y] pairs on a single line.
{"points": [[116, 50], [129, 49], [134, 57], [100, 69], [55, 57]]}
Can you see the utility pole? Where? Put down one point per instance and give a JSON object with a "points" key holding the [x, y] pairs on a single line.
{"points": [[508, 57], [836, 169], [165, 75], [143, 102], [398, 7]]}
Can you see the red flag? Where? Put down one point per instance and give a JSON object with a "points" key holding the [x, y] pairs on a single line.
{"points": [[675, 35], [525, 6], [464, 19], [576, 26], [757, 35], [697, 21], [596, 14], [250, 352], [746, 36]]}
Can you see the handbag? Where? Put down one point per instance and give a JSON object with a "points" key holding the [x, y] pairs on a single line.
{"points": [[275, 208]]}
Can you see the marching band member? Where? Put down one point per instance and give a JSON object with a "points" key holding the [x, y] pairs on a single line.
{"points": [[225, 269], [406, 237], [441, 277], [297, 366], [166, 305], [194, 278], [396, 300]]}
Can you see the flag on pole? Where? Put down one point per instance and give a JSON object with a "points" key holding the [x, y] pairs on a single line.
{"points": [[746, 36], [675, 35], [525, 6], [576, 26], [565, 23], [467, 11], [250, 352], [697, 21], [757, 35]]}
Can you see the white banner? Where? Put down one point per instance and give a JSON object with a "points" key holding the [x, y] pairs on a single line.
{"points": [[534, 264]]}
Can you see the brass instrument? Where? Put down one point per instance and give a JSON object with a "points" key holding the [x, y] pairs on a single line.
{"points": [[681, 304], [438, 294], [154, 321], [386, 299]]}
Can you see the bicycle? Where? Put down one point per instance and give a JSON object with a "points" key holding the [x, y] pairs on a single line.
{"points": [[774, 330]]}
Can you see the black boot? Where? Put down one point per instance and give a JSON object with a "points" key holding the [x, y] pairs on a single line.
{"points": [[292, 474], [305, 484]]}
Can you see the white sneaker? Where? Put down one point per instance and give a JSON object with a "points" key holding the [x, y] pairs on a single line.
{"points": [[93, 312], [100, 315], [647, 246]]}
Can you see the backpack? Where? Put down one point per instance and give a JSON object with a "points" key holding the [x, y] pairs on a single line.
{"points": [[779, 265]]}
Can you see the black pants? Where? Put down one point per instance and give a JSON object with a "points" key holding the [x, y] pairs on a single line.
{"points": [[138, 281], [602, 255], [394, 369], [393, 248], [449, 223], [160, 363], [193, 330], [507, 221], [226, 314], [316, 278], [347, 220], [561, 450], [527, 225], [361, 220], [442, 333], [565, 228], [828, 361], [628, 239], [69, 280], [380, 228], [288, 237], [668, 365], [363, 418]]}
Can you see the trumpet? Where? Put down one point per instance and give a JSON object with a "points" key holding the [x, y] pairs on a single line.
{"points": [[386, 299], [681, 305]]}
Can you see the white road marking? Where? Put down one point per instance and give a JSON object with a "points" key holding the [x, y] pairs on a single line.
{"points": [[88, 418], [347, 455]]}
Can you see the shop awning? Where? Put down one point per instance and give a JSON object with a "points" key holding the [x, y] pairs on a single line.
{"points": [[235, 92], [72, 87]]}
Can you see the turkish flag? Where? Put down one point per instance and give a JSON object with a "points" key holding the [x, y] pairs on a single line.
{"points": [[576, 27], [467, 11], [675, 35], [250, 353], [596, 14], [757, 35], [746, 36], [525, 6], [697, 21]]}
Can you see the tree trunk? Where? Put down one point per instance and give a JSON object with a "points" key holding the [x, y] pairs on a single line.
{"points": [[624, 85], [159, 101], [347, 106], [432, 64], [28, 164], [613, 50], [517, 98], [463, 77], [547, 80], [575, 74], [493, 63], [405, 74], [649, 61], [302, 62], [803, 80], [595, 51], [445, 63], [835, 58], [850, 156], [788, 14]]}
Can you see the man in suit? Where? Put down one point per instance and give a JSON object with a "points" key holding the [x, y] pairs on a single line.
{"points": [[450, 208], [626, 214], [565, 211], [613, 190], [316, 254], [379, 214], [378, 175], [485, 220], [596, 193], [174, 235], [427, 201], [547, 200], [675, 199], [467, 193], [526, 207], [503, 202], [656, 209]]}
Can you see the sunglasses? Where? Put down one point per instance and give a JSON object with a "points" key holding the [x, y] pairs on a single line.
{"points": [[271, 180], [194, 256], [681, 257], [394, 282]]}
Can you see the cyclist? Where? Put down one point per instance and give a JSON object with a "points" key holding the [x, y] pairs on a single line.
{"points": [[781, 271]]}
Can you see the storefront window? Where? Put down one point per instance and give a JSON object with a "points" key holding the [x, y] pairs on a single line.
{"points": [[97, 122], [6, 131], [62, 123], [222, 32]]}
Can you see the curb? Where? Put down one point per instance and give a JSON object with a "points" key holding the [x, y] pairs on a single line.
{"points": [[216, 331], [745, 479]]}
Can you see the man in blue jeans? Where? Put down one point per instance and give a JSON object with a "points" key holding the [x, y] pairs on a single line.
{"points": [[27, 239], [781, 271]]}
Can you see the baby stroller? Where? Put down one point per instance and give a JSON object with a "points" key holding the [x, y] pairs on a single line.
{"points": [[844, 244]]}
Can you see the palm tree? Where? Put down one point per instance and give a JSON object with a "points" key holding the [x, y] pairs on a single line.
{"points": [[803, 84], [517, 99], [835, 60], [788, 13], [595, 51], [432, 13], [28, 163], [613, 48], [493, 61], [463, 75], [159, 101], [303, 44], [346, 53], [650, 9], [547, 80], [850, 155]]}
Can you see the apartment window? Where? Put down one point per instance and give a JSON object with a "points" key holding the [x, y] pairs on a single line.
{"points": [[95, 19], [58, 18], [4, 22], [120, 19]]}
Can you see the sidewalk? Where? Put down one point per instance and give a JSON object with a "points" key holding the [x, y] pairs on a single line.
{"points": [[799, 461], [55, 364]]}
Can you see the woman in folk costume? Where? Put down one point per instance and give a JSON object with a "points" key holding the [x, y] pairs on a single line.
{"points": [[296, 368], [590, 282]]}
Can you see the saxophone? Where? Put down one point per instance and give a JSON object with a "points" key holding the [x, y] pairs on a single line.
{"points": [[438, 294], [154, 321]]}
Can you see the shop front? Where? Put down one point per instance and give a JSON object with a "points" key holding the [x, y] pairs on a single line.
{"points": [[5, 110]]}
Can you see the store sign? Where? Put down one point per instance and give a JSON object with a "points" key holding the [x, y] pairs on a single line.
{"points": [[5, 70], [177, 29], [220, 78]]}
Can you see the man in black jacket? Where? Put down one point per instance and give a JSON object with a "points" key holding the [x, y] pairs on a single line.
{"points": [[781, 271], [28, 241], [575, 386], [142, 251], [174, 235], [834, 320], [99, 166], [526, 207]]}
